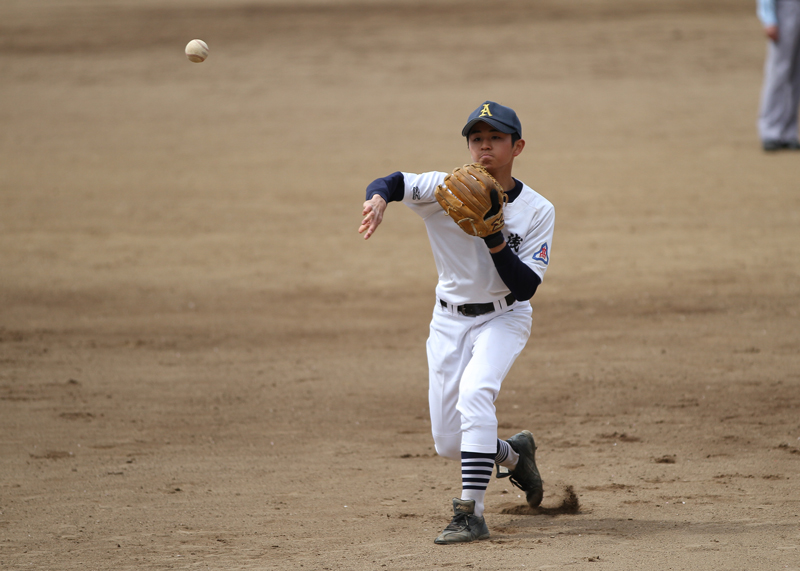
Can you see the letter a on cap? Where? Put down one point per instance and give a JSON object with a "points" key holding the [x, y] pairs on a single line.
{"points": [[485, 112]]}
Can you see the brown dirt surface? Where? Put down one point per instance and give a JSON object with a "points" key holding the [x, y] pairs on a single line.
{"points": [[204, 366]]}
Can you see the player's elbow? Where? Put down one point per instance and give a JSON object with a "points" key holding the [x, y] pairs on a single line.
{"points": [[524, 297], [527, 291]]}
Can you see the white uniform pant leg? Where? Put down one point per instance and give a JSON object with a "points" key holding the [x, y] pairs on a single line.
{"points": [[780, 95], [468, 358], [496, 345], [448, 356]]}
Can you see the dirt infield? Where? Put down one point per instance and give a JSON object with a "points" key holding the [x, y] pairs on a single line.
{"points": [[204, 366]]}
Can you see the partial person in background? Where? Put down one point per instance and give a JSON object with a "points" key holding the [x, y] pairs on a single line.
{"points": [[780, 95]]}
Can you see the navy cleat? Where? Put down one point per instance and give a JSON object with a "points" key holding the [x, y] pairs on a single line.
{"points": [[526, 475]]}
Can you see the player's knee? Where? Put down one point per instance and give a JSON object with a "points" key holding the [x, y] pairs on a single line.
{"points": [[476, 405], [448, 448]]}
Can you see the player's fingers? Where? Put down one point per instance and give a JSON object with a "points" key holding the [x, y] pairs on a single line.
{"points": [[373, 216], [372, 225], [367, 218], [367, 213]]}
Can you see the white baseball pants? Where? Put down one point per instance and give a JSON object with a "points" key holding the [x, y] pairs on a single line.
{"points": [[468, 358]]}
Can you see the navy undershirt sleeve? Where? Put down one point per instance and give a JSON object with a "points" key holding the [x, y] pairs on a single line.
{"points": [[391, 188], [520, 279]]}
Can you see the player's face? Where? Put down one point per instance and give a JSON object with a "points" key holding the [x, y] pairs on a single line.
{"points": [[491, 148]]}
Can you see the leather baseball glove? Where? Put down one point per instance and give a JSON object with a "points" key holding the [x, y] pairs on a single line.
{"points": [[473, 199]]}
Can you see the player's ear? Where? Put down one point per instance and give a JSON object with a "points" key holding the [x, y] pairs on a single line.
{"points": [[518, 146]]}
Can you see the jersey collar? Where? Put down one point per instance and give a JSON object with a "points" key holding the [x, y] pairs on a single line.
{"points": [[514, 192]]}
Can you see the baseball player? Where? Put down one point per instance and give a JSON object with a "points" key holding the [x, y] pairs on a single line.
{"points": [[481, 317], [780, 94]]}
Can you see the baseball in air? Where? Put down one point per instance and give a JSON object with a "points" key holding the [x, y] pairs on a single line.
{"points": [[197, 51]]}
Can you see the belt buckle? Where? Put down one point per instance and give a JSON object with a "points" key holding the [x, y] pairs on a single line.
{"points": [[476, 309], [466, 311]]}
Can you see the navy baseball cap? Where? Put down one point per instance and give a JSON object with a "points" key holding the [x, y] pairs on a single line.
{"points": [[502, 118]]}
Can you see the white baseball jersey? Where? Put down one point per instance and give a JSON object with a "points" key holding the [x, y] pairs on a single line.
{"points": [[466, 271]]}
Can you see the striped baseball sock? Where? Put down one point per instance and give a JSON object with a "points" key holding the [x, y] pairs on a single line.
{"points": [[505, 455], [476, 471]]}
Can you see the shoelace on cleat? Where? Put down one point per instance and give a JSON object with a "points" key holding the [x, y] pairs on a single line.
{"points": [[456, 525], [516, 482]]}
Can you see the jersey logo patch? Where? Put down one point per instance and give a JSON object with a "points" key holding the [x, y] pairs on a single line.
{"points": [[542, 255], [415, 193], [514, 241]]}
